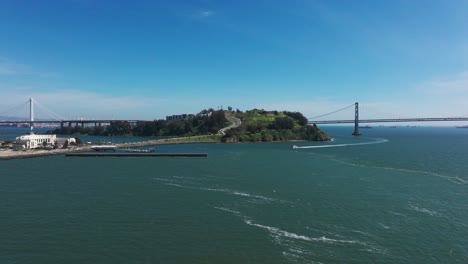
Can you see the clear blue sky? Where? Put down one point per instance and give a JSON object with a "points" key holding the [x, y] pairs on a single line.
{"points": [[147, 59]]}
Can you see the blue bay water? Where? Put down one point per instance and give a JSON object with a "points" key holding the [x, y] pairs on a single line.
{"points": [[403, 199]]}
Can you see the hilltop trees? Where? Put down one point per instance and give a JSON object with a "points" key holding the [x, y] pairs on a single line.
{"points": [[283, 122], [260, 125], [257, 125], [299, 117], [216, 121]]}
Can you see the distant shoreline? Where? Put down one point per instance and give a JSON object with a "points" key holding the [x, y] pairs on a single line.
{"points": [[10, 154]]}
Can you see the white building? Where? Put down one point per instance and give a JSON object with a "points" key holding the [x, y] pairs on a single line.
{"points": [[33, 141]]}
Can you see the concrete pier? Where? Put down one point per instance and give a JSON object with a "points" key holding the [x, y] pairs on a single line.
{"points": [[133, 154]]}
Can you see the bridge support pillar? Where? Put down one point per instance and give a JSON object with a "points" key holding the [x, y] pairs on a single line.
{"points": [[356, 120], [61, 125]]}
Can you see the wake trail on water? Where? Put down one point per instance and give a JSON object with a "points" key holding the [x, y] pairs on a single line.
{"points": [[286, 238], [175, 183], [377, 141], [453, 179], [279, 232], [423, 210]]}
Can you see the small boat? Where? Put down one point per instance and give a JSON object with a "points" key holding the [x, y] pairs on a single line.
{"points": [[365, 126], [462, 126], [295, 147]]}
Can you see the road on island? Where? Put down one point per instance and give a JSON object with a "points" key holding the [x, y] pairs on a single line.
{"points": [[236, 122]]}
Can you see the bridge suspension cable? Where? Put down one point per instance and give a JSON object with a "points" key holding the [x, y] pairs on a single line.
{"points": [[336, 111], [49, 112], [369, 112], [14, 109]]}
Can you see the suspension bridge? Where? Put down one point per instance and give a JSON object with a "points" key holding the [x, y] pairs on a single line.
{"points": [[53, 118], [326, 119], [346, 115]]}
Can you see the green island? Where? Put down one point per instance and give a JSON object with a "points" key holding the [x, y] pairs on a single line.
{"points": [[270, 126], [225, 126]]}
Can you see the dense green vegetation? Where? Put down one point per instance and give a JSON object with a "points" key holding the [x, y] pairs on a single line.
{"points": [[257, 125], [201, 124], [260, 125]]}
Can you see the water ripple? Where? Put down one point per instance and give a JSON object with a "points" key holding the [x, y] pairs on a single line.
{"points": [[454, 179]]}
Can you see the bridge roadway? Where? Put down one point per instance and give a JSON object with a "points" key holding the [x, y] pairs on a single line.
{"points": [[352, 121], [348, 121], [100, 121]]}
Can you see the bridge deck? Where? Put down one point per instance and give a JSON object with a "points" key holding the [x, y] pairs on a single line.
{"points": [[348, 121], [429, 119], [66, 121]]}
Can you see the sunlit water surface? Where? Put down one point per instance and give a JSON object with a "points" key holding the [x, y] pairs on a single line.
{"points": [[402, 197]]}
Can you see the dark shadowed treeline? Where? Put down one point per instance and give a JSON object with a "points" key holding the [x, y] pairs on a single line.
{"points": [[202, 124]]}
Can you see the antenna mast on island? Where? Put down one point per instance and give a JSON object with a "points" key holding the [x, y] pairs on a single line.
{"points": [[31, 114]]}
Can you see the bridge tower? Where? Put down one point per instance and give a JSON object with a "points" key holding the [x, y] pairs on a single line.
{"points": [[356, 120], [31, 114]]}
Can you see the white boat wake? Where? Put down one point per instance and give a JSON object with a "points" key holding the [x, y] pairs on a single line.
{"points": [[377, 141]]}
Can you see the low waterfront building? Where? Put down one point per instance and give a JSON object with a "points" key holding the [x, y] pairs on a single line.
{"points": [[33, 141]]}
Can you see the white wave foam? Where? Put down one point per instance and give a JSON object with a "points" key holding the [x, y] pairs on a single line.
{"points": [[293, 257], [377, 141], [175, 184], [384, 226], [234, 192], [278, 235], [362, 233], [228, 191], [423, 210], [278, 232], [298, 250], [462, 181], [396, 213], [376, 250]]}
